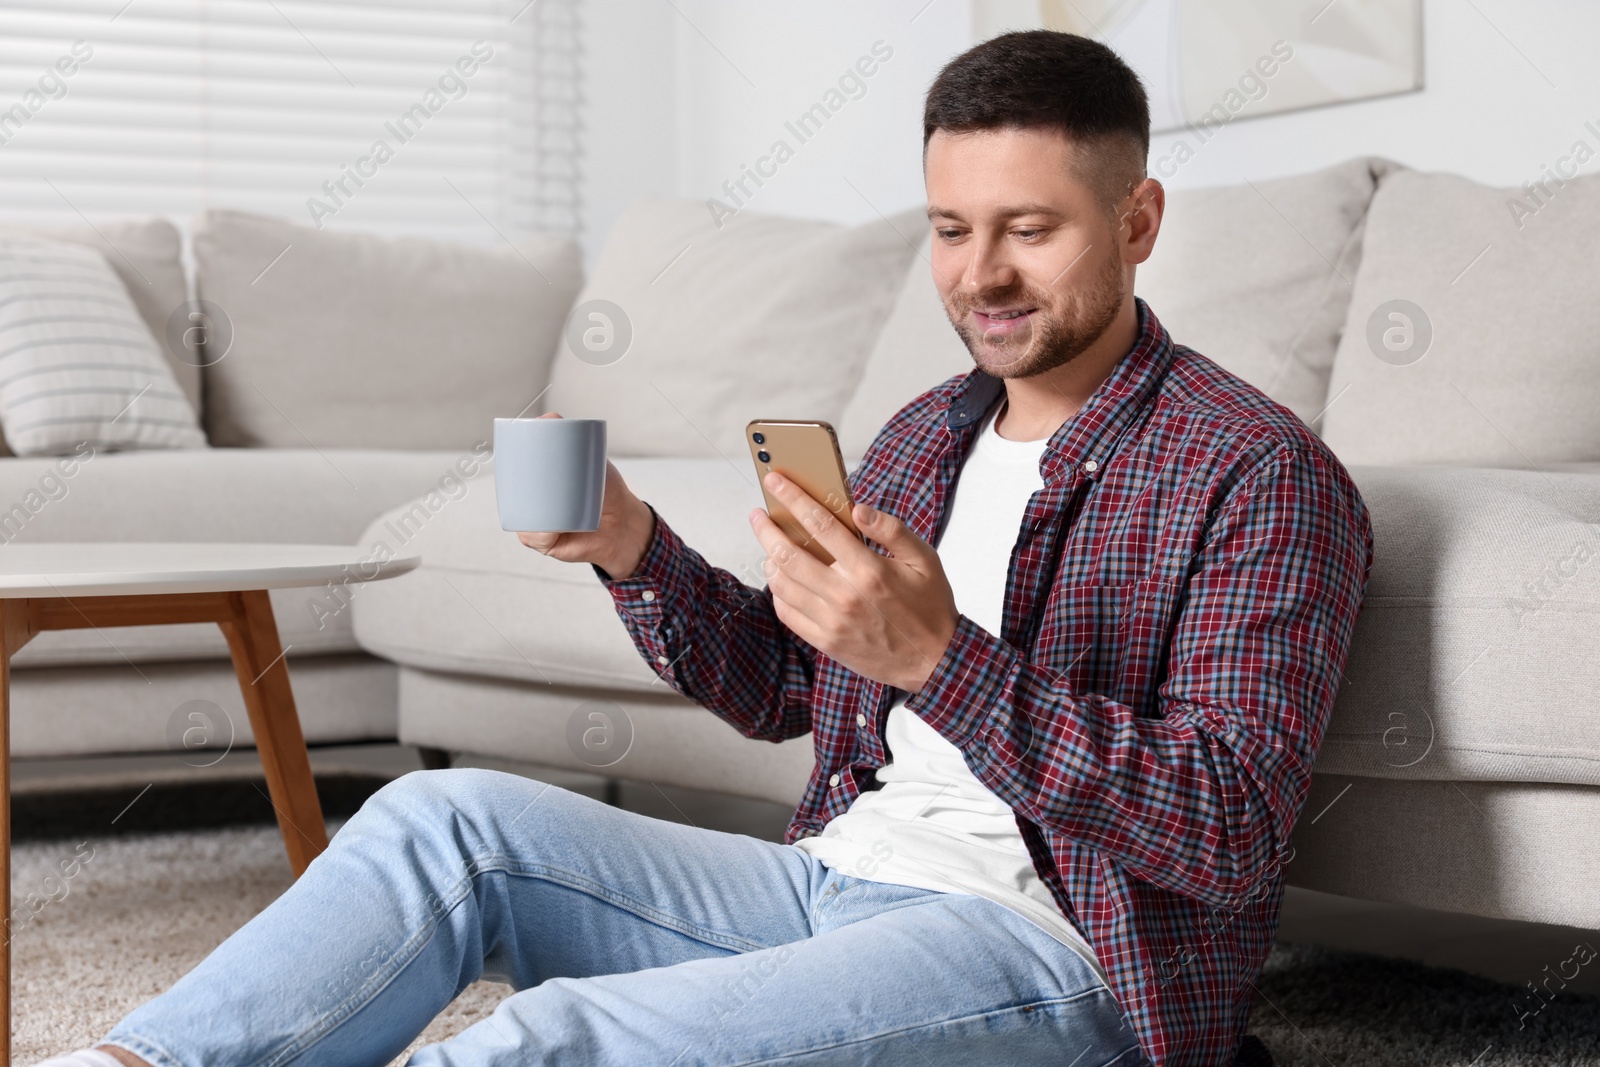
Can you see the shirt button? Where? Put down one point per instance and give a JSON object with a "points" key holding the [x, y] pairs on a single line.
{"points": [[833, 779], [647, 596], [861, 721], [663, 660], [1090, 466]]}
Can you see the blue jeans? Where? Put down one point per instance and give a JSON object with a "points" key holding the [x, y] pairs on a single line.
{"points": [[628, 940]]}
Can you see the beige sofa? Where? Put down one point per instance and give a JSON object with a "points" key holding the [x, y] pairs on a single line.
{"points": [[1460, 768], [351, 374]]}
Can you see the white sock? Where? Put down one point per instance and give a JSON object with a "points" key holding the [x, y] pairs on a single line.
{"points": [[87, 1057]]}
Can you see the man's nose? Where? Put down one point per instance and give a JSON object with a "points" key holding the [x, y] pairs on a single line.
{"points": [[987, 268]]}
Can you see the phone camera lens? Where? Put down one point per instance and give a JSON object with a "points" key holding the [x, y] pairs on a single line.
{"points": [[759, 438], [764, 456]]}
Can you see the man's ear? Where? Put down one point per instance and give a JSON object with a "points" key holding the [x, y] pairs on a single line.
{"points": [[1140, 220]]}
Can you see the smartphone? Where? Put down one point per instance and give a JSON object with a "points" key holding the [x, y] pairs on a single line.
{"points": [[807, 453]]}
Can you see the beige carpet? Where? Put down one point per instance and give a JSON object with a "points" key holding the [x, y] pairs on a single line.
{"points": [[135, 918]]}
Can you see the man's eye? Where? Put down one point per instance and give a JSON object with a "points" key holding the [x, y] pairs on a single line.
{"points": [[1027, 235], [948, 235]]}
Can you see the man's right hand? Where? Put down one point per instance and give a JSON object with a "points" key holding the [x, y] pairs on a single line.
{"points": [[626, 527]]}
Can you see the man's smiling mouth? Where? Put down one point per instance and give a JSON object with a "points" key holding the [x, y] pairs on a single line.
{"points": [[1003, 322]]}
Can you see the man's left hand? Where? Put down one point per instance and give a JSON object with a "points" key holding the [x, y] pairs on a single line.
{"points": [[885, 618]]}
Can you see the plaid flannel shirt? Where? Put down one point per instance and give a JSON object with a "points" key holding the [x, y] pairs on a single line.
{"points": [[1178, 611]]}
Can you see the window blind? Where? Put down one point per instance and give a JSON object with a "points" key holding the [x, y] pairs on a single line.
{"points": [[445, 118]]}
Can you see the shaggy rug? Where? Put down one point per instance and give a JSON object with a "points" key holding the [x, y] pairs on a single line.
{"points": [[135, 918], [147, 907], [1317, 1007]]}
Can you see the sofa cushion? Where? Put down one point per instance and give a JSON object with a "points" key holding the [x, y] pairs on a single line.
{"points": [[765, 317], [916, 350], [1468, 661], [482, 603], [1509, 850], [221, 494], [1473, 656], [355, 341], [1504, 281], [81, 364], [669, 740], [147, 255], [1258, 276], [96, 710]]}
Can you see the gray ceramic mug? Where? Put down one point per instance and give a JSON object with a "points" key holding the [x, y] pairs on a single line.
{"points": [[549, 474]]}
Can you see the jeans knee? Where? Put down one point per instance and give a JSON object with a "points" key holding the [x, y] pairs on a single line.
{"points": [[422, 794], [460, 803]]}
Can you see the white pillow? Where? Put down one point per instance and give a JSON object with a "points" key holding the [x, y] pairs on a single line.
{"points": [[764, 317], [1473, 337], [147, 254], [1257, 276], [77, 362]]}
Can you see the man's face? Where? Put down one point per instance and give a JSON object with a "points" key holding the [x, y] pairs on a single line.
{"points": [[1027, 257]]}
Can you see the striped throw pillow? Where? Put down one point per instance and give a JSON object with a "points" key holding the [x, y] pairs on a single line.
{"points": [[77, 363]]}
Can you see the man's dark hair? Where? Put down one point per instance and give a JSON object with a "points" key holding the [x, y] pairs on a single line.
{"points": [[1036, 79]]}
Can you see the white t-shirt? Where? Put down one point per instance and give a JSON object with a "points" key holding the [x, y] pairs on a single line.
{"points": [[932, 824]]}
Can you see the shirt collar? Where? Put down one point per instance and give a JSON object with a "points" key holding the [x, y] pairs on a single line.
{"points": [[1087, 440]]}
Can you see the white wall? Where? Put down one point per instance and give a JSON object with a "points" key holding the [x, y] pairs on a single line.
{"points": [[741, 69], [747, 68], [630, 135], [1484, 111]]}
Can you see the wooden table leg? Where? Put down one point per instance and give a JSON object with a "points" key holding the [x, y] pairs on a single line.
{"points": [[7, 609], [19, 621], [246, 620], [258, 659]]}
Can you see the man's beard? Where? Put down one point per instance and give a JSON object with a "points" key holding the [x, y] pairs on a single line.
{"points": [[1061, 329]]}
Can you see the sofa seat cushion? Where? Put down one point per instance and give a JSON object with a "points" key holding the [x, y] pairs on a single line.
{"points": [[1507, 850], [77, 711], [217, 494], [483, 603], [658, 736], [1473, 657], [1468, 661]]}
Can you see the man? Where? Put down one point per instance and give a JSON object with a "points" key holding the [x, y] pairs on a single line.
{"points": [[1058, 759]]}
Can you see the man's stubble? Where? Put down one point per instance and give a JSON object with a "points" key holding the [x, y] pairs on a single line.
{"points": [[1063, 328]]}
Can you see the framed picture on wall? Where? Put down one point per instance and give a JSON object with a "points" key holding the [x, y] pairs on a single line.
{"points": [[1205, 62]]}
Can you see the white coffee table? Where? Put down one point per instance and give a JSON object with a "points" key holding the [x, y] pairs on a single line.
{"points": [[74, 586]]}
